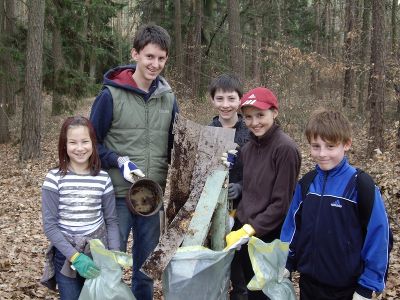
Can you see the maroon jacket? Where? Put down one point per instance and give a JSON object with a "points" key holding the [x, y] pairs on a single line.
{"points": [[271, 165]]}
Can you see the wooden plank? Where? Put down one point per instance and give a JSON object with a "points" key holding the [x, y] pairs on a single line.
{"points": [[220, 221], [213, 141], [208, 202]]}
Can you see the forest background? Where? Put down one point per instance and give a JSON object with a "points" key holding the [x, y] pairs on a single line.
{"points": [[342, 54]]}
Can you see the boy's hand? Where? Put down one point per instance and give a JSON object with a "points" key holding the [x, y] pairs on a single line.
{"points": [[228, 158], [127, 168], [234, 191], [85, 266], [359, 297], [235, 239]]}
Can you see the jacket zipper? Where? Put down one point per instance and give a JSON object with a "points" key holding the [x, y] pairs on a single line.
{"points": [[317, 221]]}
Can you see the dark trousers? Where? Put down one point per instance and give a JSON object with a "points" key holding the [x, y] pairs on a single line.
{"points": [[311, 289], [242, 261]]}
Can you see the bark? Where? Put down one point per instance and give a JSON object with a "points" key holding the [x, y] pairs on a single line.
{"points": [[235, 38], [394, 26], [178, 37], [348, 87], [314, 86], [256, 57], [377, 78], [58, 64], [11, 78], [32, 107], [364, 53], [4, 129], [194, 49]]}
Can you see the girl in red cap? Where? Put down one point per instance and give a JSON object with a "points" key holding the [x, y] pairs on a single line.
{"points": [[271, 164]]}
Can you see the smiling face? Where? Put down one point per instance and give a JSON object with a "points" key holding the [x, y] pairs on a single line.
{"points": [[227, 104], [259, 121], [326, 154], [79, 148], [150, 61]]}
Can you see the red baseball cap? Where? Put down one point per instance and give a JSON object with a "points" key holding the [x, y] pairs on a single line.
{"points": [[261, 98]]}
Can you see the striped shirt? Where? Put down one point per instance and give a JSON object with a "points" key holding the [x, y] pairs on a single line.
{"points": [[80, 200]]}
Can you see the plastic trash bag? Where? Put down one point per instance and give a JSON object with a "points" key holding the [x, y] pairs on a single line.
{"points": [[196, 272], [108, 285], [268, 261]]}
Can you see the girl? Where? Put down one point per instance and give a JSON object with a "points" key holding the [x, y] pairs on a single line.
{"points": [[78, 205], [271, 164]]}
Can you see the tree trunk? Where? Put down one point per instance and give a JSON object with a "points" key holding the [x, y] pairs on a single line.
{"points": [[348, 55], [4, 128], [84, 33], [10, 80], [178, 37], [256, 68], [235, 39], [394, 27], [32, 107], [364, 53], [314, 86], [377, 78], [194, 52], [58, 106]]}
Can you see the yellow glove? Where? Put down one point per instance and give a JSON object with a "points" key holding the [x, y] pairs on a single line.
{"points": [[235, 239]]}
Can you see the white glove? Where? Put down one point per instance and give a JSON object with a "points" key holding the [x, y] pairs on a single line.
{"points": [[228, 158], [128, 169], [359, 297]]}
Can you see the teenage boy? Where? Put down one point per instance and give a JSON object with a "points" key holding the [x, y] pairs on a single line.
{"points": [[225, 92], [328, 246], [133, 117]]}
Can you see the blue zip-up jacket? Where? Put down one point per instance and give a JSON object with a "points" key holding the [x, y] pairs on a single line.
{"points": [[102, 113], [325, 234]]}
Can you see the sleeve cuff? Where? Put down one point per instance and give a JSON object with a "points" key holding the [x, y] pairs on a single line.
{"points": [[363, 291], [121, 160]]}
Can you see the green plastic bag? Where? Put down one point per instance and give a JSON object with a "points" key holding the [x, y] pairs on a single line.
{"points": [[268, 261], [108, 285]]}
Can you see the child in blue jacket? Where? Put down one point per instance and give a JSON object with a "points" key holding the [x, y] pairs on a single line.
{"points": [[335, 259]]}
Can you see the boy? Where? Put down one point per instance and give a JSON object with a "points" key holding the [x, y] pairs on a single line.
{"points": [[327, 245], [225, 93], [271, 164], [133, 117]]}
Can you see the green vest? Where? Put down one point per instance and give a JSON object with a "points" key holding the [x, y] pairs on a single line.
{"points": [[140, 131]]}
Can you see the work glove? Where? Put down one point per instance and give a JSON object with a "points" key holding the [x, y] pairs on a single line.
{"points": [[128, 169], [235, 239], [228, 158], [234, 191], [85, 266], [357, 296]]}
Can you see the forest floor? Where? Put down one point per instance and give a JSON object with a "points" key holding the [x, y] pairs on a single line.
{"points": [[21, 236]]}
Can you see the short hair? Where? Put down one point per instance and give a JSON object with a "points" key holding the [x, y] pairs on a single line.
{"points": [[151, 34], [94, 160], [329, 125], [226, 83]]}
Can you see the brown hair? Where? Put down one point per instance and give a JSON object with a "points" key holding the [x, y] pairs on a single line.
{"points": [[151, 34], [329, 125], [94, 160]]}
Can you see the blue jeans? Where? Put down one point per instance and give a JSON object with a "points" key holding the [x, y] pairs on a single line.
{"points": [[146, 233], [69, 288]]}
